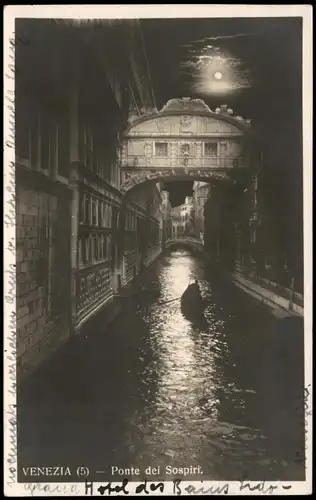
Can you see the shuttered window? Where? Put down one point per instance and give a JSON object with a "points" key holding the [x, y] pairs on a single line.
{"points": [[161, 149], [210, 149]]}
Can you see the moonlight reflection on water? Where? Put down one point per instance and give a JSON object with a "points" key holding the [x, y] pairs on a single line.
{"points": [[155, 389]]}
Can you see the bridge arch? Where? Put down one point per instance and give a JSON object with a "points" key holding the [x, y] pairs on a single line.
{"points": [[136, 183], [190, 243]]}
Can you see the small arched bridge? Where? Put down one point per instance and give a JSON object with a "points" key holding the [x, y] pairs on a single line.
{"points": [[189, 242]]}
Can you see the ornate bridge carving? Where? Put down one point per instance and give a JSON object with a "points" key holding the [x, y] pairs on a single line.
{"points": [[131, 178], [184, 140]]}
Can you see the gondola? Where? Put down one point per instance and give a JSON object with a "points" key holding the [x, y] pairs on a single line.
{"points": [[193, 306]]}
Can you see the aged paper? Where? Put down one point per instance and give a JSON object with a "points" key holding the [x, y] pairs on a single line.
{"points": [[157, 250]]}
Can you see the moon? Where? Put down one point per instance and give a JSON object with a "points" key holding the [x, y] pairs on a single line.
{"points": [[218, 75]]}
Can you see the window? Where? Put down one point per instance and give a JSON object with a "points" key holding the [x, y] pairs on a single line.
{"points": [[98, 247], [210, 149], [48, 144], [161, 149], [105, 247], [87, 254], [94, 213], [82, 209], [63, 147], [223, 148], [106, 214], [184, 149], [112, 175], [253, 236], [101, 168], [108, 246], [80, 252], [109, 215], [101, 247], [87, 212], [88, 148], [93, 248], [44, 143], [100, 213], [99, 155], [95, 166]]}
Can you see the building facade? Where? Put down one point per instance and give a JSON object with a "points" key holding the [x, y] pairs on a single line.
{"points": [[231, 215], [166, 210], [71, 112], [86, 120], [143, 232], [201, 191], [177, 221], [187, 212], [182, 218]]}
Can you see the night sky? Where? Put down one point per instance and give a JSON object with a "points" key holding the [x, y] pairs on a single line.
{"points": [[262, 57]]}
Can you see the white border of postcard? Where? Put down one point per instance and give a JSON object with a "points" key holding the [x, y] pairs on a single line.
{"points": [[11, 487]]}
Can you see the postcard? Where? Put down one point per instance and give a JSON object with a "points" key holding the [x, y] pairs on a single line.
{"points": [[157, 250]]}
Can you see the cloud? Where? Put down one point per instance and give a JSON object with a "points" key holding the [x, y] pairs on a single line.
{"points": [[213, 38], [203, 57]]}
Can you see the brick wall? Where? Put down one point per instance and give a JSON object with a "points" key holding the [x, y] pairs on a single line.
{"points": [[42, 276]]}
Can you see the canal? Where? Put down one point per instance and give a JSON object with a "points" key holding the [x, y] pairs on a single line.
{"points": [[155, 389]]}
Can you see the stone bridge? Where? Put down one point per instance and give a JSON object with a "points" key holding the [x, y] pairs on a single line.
{"points": [[186, 140], [192, 243]]}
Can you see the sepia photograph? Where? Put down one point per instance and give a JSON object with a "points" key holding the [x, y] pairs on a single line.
{"points": [[159, 249]]}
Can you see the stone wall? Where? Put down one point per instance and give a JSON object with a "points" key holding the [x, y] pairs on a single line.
{"points": [[153, 253], [43, 293]]}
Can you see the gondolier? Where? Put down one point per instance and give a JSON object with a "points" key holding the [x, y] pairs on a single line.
{"points": [[194, 289], [192, 303]]}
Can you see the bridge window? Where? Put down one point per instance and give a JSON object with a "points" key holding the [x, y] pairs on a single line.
{"points": [[161, 149], [223, 149], [210, 149], [184, 149]]}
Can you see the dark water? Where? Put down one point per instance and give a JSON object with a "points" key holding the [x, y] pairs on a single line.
{"points": [[155, 389]]}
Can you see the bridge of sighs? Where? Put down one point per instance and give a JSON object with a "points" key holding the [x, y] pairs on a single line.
{"points": [[186, 140]]}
